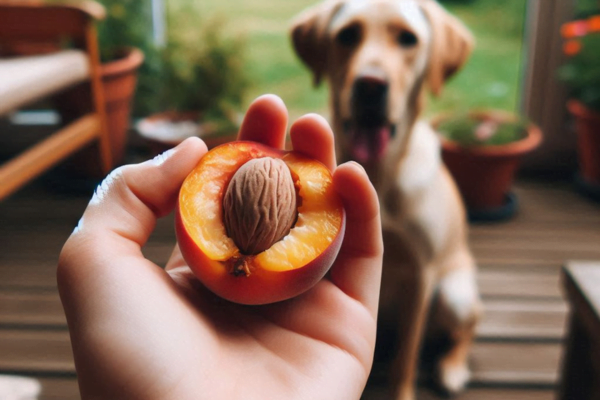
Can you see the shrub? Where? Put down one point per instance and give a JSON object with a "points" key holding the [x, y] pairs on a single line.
{"points": [[581, 70], [205, 74]]}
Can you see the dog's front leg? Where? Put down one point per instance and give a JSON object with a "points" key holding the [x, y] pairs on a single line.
{"points": [[456, 312], [412, 318]]}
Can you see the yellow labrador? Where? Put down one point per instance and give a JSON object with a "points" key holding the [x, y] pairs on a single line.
{"points": [[379, 57]]}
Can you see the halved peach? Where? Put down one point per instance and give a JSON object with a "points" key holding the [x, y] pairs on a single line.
{"points": [[291, 265]]}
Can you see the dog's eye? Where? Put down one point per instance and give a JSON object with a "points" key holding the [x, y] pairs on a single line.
{"points": [[348, 36], [407, 39]]}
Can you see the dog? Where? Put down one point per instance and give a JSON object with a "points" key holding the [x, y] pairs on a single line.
{"points": [[380, 57]]}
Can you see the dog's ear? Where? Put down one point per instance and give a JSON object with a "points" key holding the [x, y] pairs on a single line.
{"points": [[309, 36], [452, 43]]}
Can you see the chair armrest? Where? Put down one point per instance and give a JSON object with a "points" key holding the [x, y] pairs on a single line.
{"points": [[90, 8]]}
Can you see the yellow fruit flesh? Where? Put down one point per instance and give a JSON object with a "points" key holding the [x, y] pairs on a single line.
{"points": [[319, 219], [319, 215]]}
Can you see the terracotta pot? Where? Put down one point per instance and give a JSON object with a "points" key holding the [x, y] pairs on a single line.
{"points": [[119, 79], [484, 174], [587, 127]]}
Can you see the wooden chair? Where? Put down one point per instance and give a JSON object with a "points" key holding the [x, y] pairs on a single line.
{"points": [[581, 360], [28, 26]]}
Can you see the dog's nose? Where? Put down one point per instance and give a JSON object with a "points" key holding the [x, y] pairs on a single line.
{"points": [[369, 97], [370, 87]]}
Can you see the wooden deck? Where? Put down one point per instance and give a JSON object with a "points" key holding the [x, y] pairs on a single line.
{"points": [[519, 343]]}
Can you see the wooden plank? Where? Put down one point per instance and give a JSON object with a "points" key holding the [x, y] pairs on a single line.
{"points": [[19, 243], [522, 263], [59, 388], [517, 267], [43, 351], [553, 201], [492, 280], [49, 240], [65, 211], [555, 246], [533, 227], [494, 393], [27, 276], [493, 362], [504, 318], [525, 285], [490, 254], [523, 319], [533, 230], [38, 272], [491, 394], [67, 389], [515, 363], [20, 308], [582, 241]]}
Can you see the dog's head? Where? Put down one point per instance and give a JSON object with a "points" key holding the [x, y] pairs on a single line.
{"points": [[378, 55]]}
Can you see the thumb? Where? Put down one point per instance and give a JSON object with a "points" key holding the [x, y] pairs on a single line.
{"points": [[127, 203]]}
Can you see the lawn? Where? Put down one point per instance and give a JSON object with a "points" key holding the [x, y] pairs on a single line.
{"points": [[490, 79]]}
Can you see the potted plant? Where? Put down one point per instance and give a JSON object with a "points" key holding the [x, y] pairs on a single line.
{"points": [[581, 72], [204, 81], [125, 41], [482, 150]]}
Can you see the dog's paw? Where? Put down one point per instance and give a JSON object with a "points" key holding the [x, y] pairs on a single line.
{"points": [[453, 377]]}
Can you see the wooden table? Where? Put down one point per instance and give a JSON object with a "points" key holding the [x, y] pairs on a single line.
{"points": [[581, 365]]}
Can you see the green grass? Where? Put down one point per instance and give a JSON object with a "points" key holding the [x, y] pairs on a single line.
{"points": [[490, 79], [492, 76]]}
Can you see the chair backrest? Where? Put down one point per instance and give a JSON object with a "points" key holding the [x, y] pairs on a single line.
{"points": [[37, 22]]}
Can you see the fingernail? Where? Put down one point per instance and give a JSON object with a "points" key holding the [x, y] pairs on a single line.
{"points": [[79, 227], [163, 157], [104, 187], [358, 166]]}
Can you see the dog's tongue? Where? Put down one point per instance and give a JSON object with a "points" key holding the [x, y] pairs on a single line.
{"points": [[369, 144]]}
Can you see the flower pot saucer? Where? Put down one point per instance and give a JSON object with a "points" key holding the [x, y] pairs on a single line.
{"points": [[502, 213], [587, 188]]}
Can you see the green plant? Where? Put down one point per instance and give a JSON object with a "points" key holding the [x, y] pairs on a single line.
{"points": [[581, 70], [205, 72], [128, 23], [585, 8], [469, 129]]}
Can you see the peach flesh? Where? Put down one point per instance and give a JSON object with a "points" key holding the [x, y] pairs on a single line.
{"points": [[291, 265]]}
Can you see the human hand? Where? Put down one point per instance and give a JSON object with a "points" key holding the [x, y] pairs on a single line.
{"points": [[142, 332]]}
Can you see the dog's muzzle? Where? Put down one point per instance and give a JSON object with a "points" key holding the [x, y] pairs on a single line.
{"points": [[369, 130]]}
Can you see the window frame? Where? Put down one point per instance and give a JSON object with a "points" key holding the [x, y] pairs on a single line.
{"points": [[543, 96]]}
